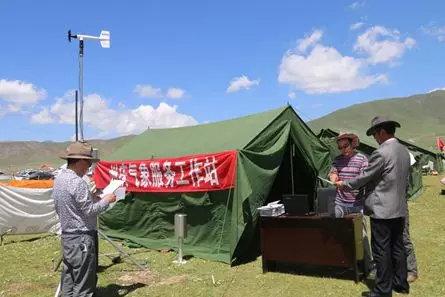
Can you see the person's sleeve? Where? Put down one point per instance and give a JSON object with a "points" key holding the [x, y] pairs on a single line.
{"points": [[372, 172], [362, 191], [365, 164], [87, 203]]}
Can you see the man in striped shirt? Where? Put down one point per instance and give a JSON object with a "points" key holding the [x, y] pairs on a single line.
{"points": [[347, 165]]}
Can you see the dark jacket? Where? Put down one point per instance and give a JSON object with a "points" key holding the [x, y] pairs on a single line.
{"points": [[386, 178]]}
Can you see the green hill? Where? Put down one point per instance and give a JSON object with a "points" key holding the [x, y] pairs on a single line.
{"points": [[16, 155], [422, 118]]}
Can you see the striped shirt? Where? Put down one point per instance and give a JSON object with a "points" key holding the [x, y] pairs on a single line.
{"points": [[75, 205], [347, 167]]}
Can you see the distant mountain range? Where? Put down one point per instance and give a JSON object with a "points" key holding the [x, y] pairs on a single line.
{"points": [[15, 155], [422, 118]]}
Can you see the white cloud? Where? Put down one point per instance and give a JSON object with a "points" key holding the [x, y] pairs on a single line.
{"points": [[435, 31], [324, 70], [382, 45], [147, 91], [63, 109], [99, 115], [18, 94], [356, 26], [43, 117], [242, 82], [305, 43], [13, 107], [292, 95], [436, 89], [175, 93], [357, 4]]}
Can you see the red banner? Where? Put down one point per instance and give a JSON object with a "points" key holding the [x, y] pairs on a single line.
{"points": [[196, 173], [440, 144]]}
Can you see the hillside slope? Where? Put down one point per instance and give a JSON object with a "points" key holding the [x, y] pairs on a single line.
{"points": [[16, 155], [422, 117]]}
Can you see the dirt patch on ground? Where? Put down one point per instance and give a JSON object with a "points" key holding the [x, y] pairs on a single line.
{"points": [[18, 289], [143, 277], [149, 278], [172, 280]]}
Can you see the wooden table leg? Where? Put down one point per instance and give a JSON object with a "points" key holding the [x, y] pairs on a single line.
{"points": [[265, 266]]}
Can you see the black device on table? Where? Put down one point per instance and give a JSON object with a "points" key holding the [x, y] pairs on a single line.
{"points": [[296, 204], [326, 201]]}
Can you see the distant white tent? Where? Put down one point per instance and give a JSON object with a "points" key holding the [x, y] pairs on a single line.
{"points": [[27, 211], [412, 159]]}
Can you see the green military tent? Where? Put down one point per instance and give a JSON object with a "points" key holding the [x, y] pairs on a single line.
{"points": [[277, 154], [423, 156], [328, 137]]}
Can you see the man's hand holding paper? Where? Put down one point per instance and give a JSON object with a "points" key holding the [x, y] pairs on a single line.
{"points": [[110, 198], [114, 191]]}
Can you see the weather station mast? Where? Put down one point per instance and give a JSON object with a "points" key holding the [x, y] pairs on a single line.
{"points": [[104, 39]]}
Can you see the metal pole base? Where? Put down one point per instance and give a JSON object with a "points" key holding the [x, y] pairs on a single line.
{"points": [[180, 261]]}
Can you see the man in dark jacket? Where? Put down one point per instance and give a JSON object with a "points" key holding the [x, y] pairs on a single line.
{"points": [[386, 178]]}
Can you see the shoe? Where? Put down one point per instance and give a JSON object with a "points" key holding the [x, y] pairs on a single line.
{"points": [[373, 294], [412, 277], [401, 291]]}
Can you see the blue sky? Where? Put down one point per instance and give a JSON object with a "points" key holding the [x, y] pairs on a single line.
{"points": [[175, 63]]}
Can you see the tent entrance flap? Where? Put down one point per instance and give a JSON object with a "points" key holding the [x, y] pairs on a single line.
{"points": [[293, 177]]}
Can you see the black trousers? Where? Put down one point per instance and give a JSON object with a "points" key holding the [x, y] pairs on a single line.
{"points": [[389, 255]]}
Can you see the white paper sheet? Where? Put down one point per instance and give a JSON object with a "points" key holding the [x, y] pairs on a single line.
{"points": [[114, 185], [326, 180], [120, 193]]}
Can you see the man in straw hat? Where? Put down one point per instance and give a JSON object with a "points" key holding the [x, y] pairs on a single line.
{"points": [[386, 178], [78, 209], [347, 165]]}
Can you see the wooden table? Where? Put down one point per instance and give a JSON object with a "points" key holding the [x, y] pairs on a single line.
{"points": [[312, 240]]}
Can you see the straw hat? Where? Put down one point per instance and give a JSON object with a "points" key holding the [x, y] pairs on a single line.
{"points": [[348, 135], [79, 150]]}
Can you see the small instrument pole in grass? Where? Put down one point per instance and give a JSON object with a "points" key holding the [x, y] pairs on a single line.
{"points": [[180, 234]]}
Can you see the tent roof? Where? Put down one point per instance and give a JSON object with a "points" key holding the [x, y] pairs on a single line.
{"points": [[329, 133], [214, 137], [412, 147]]}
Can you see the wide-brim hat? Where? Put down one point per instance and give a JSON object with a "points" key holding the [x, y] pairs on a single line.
{"points": [[79, 150], [379, 121], [348, 135]]}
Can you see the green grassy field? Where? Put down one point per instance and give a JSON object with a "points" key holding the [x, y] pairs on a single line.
{"points": [[26, 267]]}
